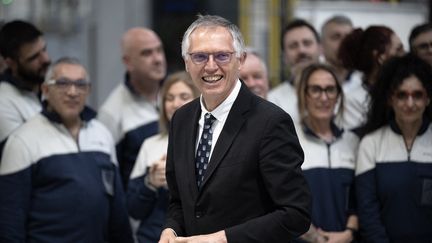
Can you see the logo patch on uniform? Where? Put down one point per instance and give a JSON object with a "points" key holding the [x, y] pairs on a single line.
{"points": [[426, 195]]}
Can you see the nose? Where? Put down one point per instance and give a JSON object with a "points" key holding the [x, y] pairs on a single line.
{"points": [[324, 96], [72, 90], [44, 58], [178, 102], [302, 48], [410, 101], [211, 64], [158, 57]]}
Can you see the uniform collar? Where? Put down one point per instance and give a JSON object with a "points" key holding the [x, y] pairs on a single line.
{"points": [[86, 114], [129, 85], [19, 84], [424, 126], [7, 76], [336, 131]]}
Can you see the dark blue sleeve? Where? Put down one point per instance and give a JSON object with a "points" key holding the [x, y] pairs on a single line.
{"points": [[141, 200], [352, 201], [119, 228], [371, 226], [15, 191]]}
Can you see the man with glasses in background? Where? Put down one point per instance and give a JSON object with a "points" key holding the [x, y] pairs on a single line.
{"points": [[24, 51], [58, 176], [420, 41], [233, 161]]}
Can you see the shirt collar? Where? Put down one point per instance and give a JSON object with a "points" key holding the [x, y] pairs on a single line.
{"points": [[222, 110]]}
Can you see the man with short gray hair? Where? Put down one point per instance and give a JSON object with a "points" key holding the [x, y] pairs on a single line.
{"points": [[233, 160]]}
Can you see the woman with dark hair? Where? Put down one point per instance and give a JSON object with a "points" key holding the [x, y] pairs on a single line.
{"points": [[365, 51], [394, 163], [147, 190], [329, 156]]}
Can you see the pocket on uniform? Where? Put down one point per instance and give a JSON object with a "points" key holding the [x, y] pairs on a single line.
{"points": [[426, 192]]}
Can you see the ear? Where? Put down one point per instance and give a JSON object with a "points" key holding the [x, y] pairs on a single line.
{"points": [[12, 64], [390, 101], [379, 57], [44, 89], [126, 62], [186, 66], [242, 60]]}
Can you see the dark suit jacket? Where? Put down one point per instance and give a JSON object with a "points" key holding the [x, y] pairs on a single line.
{"points": [[253, 188]]}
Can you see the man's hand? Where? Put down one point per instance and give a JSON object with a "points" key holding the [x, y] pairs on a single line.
{"points": [[337, 237], [314, 235], [157, 173], [167, 236], [218, 237]]}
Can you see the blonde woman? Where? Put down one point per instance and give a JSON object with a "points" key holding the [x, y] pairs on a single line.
{"points": [[147, 189]]}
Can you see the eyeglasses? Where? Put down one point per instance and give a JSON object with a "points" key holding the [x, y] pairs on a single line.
{"points": [[423, 46], [64, 84], [403, 96], [219, 57], [315, 91]]}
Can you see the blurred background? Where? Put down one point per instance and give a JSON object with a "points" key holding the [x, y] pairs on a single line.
{"points": [[91, 29]]}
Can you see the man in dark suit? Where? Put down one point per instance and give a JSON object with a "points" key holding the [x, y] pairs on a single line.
{"points": [[233, 162]]}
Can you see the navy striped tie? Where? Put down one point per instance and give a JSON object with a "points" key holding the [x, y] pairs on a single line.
{"points": [[204, 147]]}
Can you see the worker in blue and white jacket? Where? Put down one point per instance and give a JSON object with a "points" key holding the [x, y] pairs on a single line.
{"points": [[24, 50], [58, 176], [330, 154], [394, 165]]}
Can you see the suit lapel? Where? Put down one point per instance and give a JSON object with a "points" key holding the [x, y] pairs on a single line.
{"points": [[192, 128], [233, 124]]}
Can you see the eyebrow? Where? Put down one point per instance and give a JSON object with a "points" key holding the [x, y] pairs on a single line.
{"points": [[35, 55]]}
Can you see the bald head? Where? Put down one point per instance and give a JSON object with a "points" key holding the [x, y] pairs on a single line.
{"points": [[134, 36], [143, 55], [254, 74]]}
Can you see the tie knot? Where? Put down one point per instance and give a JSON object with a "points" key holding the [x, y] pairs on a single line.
{"points": [[209, 119]]}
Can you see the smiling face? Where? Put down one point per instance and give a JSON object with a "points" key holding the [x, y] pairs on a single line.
{"points": [[409, 101], [320, 96], [301, 48], [67, 102], [177, 95], [215, 80], [254, 75]]}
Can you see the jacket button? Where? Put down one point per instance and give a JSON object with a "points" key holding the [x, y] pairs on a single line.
{"points": [[198, 214]]}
